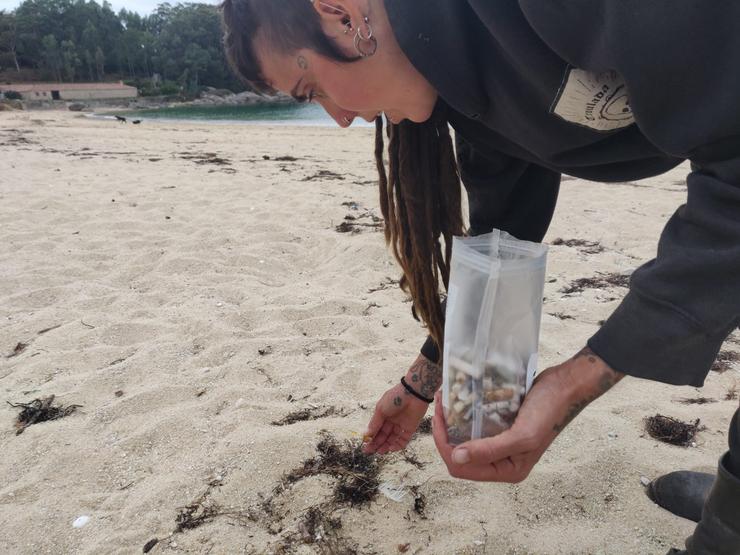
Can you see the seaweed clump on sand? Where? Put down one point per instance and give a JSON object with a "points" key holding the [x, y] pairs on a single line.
{"points": [[356, 472], [724, 361], [310, 413], [425, 426], [40, 410], [671, 430], [600, 281]]}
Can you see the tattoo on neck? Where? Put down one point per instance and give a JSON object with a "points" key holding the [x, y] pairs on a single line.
{"points": [[302, 63]]}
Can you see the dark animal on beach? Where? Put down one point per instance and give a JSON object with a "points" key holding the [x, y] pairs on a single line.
{"points": [[136, 121], [121, 119]]}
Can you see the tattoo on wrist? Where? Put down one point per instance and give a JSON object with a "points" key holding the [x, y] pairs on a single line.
{"points": [[607, 379], [426, 377]]}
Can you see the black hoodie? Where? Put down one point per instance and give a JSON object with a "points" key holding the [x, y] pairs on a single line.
{"points": [[605, 90]]}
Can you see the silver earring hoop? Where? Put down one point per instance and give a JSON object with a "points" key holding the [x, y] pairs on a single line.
{"points": [[369, 30], [359, 40]]}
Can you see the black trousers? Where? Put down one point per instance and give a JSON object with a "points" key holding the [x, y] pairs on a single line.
{"points": [[733, 461]]}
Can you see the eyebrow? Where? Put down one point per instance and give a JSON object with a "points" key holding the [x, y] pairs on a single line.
{"points": [[294, 92]]}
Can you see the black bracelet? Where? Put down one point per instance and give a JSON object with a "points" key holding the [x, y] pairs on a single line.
{"points": [[414, 392]]}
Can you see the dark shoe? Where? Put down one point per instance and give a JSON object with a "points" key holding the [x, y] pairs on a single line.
{"points": [[718, 532], [682, 493]]}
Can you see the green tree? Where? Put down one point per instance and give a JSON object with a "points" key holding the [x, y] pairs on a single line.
{"points": [[70, 60], [8, 38], [52, 57]]}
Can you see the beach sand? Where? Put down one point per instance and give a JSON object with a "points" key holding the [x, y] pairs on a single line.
{"points": [[202, 292]]}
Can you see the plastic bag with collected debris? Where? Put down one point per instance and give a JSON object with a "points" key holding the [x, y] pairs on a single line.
{"points": [[494, 307]]}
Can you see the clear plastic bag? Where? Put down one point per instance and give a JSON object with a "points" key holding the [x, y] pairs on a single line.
{"points": [[494, 307]]}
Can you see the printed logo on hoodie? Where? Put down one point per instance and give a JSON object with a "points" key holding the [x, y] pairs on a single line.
{"points": [[595, 100]]}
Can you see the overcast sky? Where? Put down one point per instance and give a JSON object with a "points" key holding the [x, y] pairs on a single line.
{"points": [[144, 7]]}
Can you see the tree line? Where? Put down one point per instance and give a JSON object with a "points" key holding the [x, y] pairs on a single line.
{"points": [[77, 40]]}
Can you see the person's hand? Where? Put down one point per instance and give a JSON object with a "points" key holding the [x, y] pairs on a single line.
{"points": [[556, 398], [398, 413]]}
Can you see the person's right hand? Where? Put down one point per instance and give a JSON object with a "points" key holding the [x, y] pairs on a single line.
{"points": [[398, 413]]}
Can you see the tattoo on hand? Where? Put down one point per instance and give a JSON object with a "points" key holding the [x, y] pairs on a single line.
{"points": [[302, 63], [397, 401]]}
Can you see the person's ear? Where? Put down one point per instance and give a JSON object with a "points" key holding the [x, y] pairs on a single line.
{"points": [[345, 13]]}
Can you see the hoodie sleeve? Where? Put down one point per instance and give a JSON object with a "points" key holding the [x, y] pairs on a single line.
{"points": [[503, 193], [680, 61]]}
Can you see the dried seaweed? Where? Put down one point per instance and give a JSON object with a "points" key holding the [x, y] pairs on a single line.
{"points": [[725, 361], [420, 501], [425, 426], [40, 410], [731, 394], [310, 413], [696, 401], [671, 430], [324, 174], [561, 316], [600, 281], [19, 348], [356, 472], [586, 247]]}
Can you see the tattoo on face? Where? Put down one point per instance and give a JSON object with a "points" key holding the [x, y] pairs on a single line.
{"points": [[302, 63], [397, 401]]}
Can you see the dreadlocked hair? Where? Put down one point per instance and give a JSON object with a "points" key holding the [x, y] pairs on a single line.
{"points": [[420, 194], [420, 201]]}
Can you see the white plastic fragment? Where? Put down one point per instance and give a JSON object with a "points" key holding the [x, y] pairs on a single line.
{"points": [[80, 521], [394, 492]]}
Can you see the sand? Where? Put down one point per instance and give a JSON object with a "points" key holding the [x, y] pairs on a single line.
{"points": [[216, 298]]}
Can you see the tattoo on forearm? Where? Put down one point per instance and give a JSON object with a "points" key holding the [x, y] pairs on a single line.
{"points": [[302, 63], [426, 377], [607, 379]]}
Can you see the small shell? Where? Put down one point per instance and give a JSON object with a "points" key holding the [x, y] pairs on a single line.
{"points": [[487, 383], [464, 395], [459, 407], [456, 388]]}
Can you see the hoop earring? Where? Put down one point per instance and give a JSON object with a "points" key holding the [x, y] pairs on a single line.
{"points": [[359, 39]]}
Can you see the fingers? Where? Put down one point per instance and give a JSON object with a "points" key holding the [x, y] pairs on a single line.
{"points": [[376, 422], [491, 449], [503, 458], [439, 429], [396, 440]]}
